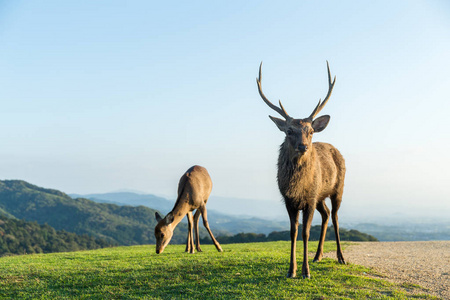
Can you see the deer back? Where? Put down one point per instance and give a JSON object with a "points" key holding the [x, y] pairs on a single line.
{"points": [[194, 187]]}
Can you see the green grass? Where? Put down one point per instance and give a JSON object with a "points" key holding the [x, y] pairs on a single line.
{"points": [[242, 271]]}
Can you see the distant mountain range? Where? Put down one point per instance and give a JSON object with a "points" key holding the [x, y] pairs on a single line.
{"points": [[127, 218], [234, 216], [221, 223], [123, 225], [128, 198], [122, 218], [228, 228], [246, 208]]}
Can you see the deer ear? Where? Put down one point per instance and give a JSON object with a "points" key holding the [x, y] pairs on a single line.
{"points": [[169, 218], [320, 123], [158, 216], [281, 124]]}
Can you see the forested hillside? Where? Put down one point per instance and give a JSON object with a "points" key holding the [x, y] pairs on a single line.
{"points": [[22, 237], [124, 225]]}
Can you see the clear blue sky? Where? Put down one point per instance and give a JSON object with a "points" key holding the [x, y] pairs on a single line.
{"points": [[103, 95]]}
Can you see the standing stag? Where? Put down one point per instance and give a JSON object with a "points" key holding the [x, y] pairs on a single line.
{"points": [[193, 192], [307, 174]]}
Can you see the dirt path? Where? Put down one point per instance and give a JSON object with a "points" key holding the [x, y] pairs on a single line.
{"points": [[423, 263]]}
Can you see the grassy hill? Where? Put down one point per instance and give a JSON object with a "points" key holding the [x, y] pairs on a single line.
{"points": [[242, 271], [124, 225]]}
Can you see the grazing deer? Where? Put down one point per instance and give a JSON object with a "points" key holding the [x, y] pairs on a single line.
{"points": [[193, 191], [307, 174]]}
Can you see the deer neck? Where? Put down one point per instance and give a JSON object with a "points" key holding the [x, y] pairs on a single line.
{"points": [[180, 210], [306, 161], [299, 169], [296, 176]]}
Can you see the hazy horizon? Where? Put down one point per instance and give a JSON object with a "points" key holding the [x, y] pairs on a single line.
{"points": [[97, 97]]}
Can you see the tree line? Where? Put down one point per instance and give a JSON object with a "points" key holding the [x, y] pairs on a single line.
{"points": [[345, 235]]}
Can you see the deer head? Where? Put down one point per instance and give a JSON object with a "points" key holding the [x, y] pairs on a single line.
{"points": [[299, 132], [163, 231]]}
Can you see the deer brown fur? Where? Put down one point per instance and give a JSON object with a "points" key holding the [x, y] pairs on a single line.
{"points": [[194, 189], [307, 174]]}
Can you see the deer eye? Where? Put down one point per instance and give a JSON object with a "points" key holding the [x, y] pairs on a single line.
{"points": [[290, 131]]}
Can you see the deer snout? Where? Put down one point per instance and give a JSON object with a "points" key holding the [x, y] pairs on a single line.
{"points": [[302, 148]]}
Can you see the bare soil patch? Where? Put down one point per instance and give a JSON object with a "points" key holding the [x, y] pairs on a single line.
{"points": [[426, 264]]}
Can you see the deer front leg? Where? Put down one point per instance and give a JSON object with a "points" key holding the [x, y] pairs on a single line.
{"points": [[308, 213], [188, 239], [190, 245], [293, 216]]}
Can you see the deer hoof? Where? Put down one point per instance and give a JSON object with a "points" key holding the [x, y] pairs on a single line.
{"points": [[307, 276], [291, 275]]}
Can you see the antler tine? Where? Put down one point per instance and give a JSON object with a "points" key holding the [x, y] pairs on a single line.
{"points": [[285, 114], [280, 109], [321, 104]]}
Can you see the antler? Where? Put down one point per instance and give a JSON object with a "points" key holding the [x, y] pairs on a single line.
{"points": [[280, 109], [320, 105]]}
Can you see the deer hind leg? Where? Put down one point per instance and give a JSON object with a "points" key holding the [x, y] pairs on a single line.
{"points": [[206, 224], [197, 235], [336, 203], [325, 212], [190, 240]]}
